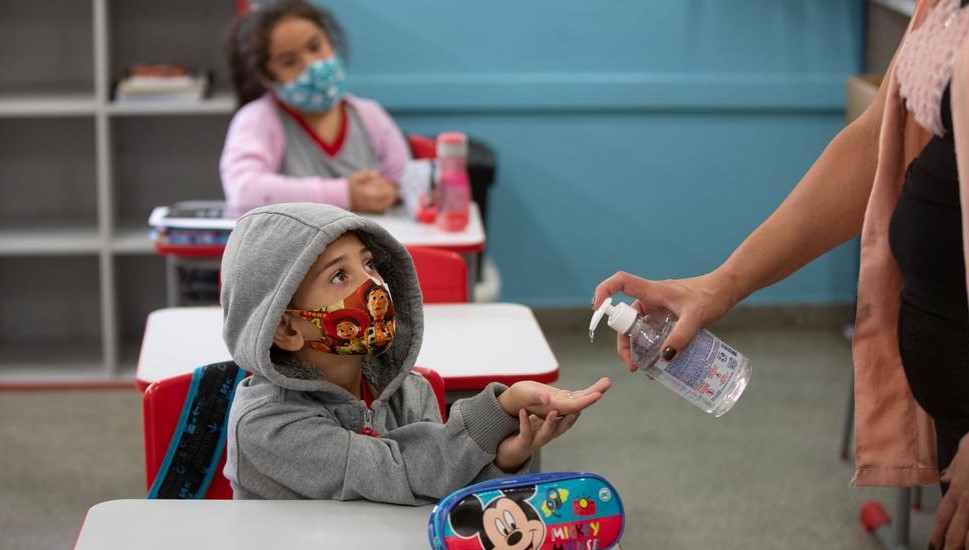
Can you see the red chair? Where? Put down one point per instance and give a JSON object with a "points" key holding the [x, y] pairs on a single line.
{"points": [[437, 384], [162, 405], [441, 274], [421, 147]]}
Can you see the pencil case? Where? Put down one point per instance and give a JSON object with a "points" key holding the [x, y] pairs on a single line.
{"points": [[547, 511]]}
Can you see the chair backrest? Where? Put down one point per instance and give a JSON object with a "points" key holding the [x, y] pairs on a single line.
{"points": [[162, 405], [441, 274], [421, 147], [437, 384]]}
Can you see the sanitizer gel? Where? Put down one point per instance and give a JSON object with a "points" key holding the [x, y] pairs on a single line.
{"points": [[708, 373]]}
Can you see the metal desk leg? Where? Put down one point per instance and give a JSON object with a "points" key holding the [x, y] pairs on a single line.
{"points": [[877, 522], [903, 499], [471, 259], [172, 290]]}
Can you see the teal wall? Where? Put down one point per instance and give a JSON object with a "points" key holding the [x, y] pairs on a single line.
{"points": [[644, 135]]}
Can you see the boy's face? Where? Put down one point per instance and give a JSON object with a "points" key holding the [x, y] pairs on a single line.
{"points": [[344, 265]]}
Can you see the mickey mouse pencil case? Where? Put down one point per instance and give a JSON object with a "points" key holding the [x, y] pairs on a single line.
{"points": [[547, 511]]}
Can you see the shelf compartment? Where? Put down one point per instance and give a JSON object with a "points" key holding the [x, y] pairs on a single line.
{"points": [[189, 168], [176, 31], [50, 316], [48, 173], [46, 47], [141, 290]]}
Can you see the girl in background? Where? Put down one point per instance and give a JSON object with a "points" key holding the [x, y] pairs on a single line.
{"points": [[298, 136]]}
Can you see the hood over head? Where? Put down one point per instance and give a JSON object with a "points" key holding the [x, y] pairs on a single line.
{"points": [[268, 254]]}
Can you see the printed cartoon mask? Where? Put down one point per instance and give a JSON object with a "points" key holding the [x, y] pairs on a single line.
{"points": [[318, 88], [362, 323]]}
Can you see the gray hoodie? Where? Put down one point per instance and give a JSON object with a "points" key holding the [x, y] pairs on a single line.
{"points": [[293, 434]]}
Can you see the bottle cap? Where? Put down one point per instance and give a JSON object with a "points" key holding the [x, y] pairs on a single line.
{"points": [[452, 144], [622, 316]]}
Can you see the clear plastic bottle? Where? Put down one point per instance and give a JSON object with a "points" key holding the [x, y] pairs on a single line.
{"points": [[454, 187], [708, 373]]}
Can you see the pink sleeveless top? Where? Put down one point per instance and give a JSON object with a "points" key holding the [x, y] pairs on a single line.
{"points": [[926, 59]]}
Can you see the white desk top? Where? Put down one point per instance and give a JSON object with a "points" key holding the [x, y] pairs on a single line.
{"points": [[508, 344], [410, 232], [252, 524]]}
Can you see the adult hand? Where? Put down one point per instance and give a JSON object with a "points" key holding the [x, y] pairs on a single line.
{"points": [[540, 399], [951, 527], [697, 302], [533, 434], [370, 193]]}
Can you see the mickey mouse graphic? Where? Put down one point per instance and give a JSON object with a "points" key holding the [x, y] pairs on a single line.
{"points": [[508, 522]]}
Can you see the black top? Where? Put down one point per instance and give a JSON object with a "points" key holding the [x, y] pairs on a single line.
{"points": [[926, 229]]}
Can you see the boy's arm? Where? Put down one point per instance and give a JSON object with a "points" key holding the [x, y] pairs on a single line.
{"points": [[315, 457]]}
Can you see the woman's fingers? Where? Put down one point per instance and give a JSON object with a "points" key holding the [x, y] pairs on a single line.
{"points": [[680, 337], [620, 282]]}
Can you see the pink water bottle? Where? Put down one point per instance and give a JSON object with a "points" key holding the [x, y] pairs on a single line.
{"points": [[454, 189]]}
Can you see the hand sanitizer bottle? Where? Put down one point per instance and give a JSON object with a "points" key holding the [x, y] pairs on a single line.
{"points": [[708, 373]]}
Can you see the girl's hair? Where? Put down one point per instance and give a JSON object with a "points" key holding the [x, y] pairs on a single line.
{"points": [[247, 42]]}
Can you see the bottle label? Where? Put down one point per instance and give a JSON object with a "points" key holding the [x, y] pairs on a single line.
{"points": [[705, 367]]}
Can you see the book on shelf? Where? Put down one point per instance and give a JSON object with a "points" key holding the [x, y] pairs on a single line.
{"points": [[161, 83]]}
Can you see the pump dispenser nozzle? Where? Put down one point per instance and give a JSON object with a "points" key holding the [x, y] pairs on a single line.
{"points": [[621, 316]]}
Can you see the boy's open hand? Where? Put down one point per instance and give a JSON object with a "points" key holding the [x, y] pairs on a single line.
{"points": [[533, 434], [539, 399]]}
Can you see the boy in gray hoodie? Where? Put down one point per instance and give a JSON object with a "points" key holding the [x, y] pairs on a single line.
{"points": [[323, 307]]}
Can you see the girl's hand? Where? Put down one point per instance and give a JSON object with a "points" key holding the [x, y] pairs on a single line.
{"points": [[697, 302], [370, 193], [539, 399], [533, 434], [951, 527]]}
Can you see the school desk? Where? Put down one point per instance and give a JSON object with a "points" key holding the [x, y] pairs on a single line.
{"points": [[470, 345], [252, 525], [468, 242]]}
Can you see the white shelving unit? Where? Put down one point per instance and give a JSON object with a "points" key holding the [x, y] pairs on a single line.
{"points": [[79, 175]]}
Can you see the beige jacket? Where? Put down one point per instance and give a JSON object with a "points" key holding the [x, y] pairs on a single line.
{"points": [[894, 437]]}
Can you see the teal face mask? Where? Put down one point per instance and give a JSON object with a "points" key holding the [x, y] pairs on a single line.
{"points": [[318, 88]]}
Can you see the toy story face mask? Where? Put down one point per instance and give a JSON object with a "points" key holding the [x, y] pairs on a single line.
{"points": [[362, 323]]}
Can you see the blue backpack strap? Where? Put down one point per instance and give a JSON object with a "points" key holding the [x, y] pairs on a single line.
{"points": [[199, 438]]}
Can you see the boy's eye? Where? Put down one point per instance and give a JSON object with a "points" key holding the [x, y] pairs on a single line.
{"points": [[369, 264], [339, 277], [315, 45]]}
